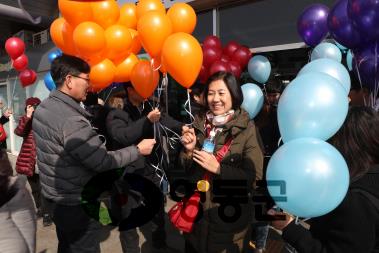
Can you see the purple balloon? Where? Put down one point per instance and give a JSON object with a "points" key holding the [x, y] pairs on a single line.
{"points": [[365, 16], [341, 26], [312, 24], [366, 65]]}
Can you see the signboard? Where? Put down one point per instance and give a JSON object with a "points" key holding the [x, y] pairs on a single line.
{"points": [[167, 3]]}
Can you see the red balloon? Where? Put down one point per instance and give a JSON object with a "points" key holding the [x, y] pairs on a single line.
{"points": [[230, 48], [242, 55], [204, 74], [225, 58], [212, 41], [210, 55], [20, 63], [219, 66], [15, 47], [235, 69], [27, 77]]}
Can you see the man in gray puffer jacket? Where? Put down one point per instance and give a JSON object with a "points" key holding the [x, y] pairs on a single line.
{"points": [[70, 153]]}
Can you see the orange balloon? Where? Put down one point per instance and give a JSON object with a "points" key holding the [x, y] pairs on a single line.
{"points": [[183, 18], [89, 39], [102, 74], [153, 29], [144, 79], [118, 40], [94, 59], [182, 56], [145, 6], [105, 13], [75, 12], [136, 44], [124, 69], [128, 15], [61, 34]]}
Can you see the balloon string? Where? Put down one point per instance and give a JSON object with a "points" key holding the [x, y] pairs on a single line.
{"points": [[374, 92], [152, 65], [279, 141], [298, 220], [109, 93], [359, 75], [13, 93], [189, 111], [309, 55], [265, 92], [171, 141]]}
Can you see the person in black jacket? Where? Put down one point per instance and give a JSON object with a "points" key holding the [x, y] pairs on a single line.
{"points": [[354, 225], [126, 127]]}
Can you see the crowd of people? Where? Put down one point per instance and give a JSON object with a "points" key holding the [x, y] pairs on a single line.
{"points": [[70, 137]]}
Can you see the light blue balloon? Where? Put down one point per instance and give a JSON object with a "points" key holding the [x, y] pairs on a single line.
{"points": [[312, 105], [326, 50], [330, 67], [341, 47], [252, 99], [49, 82], [313, 175], [259, 68], [349, 60]]}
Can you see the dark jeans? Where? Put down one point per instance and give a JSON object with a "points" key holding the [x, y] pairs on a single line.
{"points": [[153, 231], [76, 231], [35, 185], [261, 234]]}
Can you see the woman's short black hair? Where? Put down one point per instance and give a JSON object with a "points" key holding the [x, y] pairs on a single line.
{"points": [[232, 85], [274, 85], [358, 140], [67, 65]]}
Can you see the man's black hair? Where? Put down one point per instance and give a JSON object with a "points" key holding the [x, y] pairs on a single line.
{"points": [[67, 65]]}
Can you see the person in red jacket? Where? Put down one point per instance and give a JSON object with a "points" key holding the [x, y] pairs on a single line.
{"points": [[26, 160]]}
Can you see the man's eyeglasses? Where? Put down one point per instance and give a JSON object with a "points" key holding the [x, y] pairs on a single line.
{"points": [[86, 79]]}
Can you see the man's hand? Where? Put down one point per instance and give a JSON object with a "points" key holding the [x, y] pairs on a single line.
{"points": [[29, 111], [207, 161], [154, 115], [146, 146], [280, 224]]}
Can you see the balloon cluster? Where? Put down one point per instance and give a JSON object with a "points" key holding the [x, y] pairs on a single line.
{"points": [[311, 110], [15, 48], [232, 58], [353, 24], [109, 38]]}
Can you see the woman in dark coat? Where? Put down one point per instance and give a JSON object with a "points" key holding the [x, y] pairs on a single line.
{"points": [[224, 222], [354, 225], [26, 160]]}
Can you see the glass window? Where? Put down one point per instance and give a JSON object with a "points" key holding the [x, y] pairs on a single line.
{"points": [[263, 23], [204, 25]]}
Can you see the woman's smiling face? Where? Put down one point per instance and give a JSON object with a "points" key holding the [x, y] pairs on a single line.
{"points": [[219, 98]]}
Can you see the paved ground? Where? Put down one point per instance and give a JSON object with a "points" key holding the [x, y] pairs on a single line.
{"points": [[47, 241]]}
